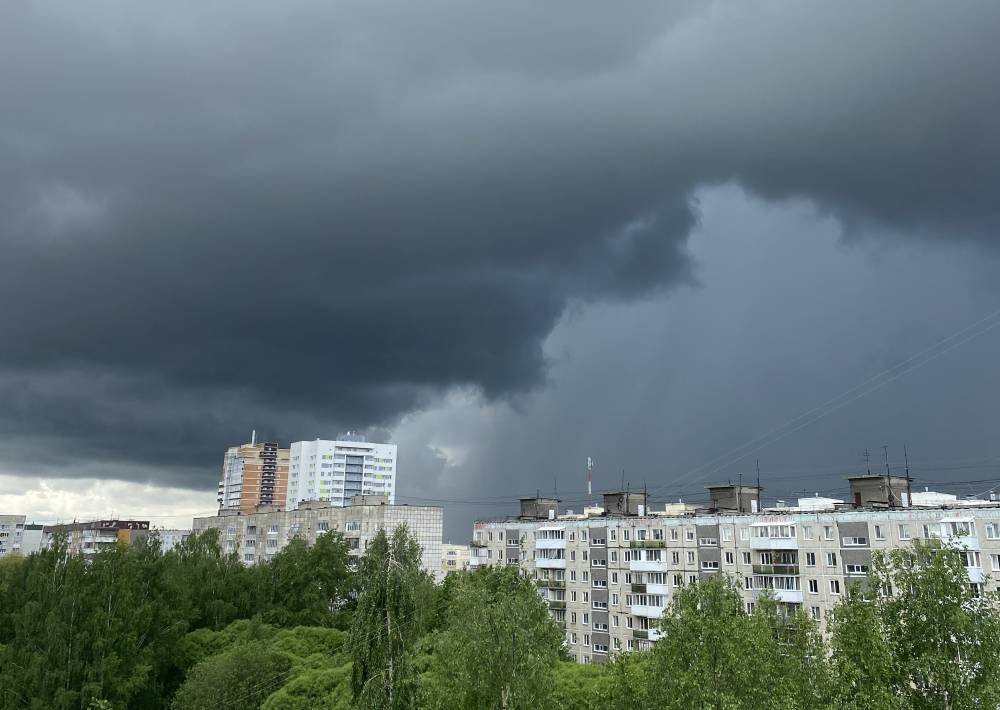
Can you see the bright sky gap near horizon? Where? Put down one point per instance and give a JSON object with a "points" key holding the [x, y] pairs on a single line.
{"points": [[650, 237]]}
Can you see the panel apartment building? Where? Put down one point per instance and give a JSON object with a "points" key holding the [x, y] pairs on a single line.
{"points": [[254, 474], [336, 471], [88, 538], [608, 574], [11, 529], [258, 536]]}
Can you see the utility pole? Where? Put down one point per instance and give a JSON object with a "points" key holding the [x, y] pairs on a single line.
{"points": [[888, 486]]}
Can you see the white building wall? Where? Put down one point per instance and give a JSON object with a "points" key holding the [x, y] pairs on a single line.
{"points": [[335, 471]]}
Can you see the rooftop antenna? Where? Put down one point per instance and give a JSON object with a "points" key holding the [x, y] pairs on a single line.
{"points": [[909, 481], [623, 480], [868, 460], [590, 477], [739, 495], [253, 437], [888, 488]]}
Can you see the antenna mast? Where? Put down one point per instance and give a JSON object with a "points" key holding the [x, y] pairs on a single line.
{"points": [[909, 481], [253, 437]]}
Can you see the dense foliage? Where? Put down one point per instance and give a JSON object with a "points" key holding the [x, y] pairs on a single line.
{"points": [[193, 628]]}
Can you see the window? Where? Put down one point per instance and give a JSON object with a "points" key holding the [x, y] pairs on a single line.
{"points": [[679, 579], [690, 557], [930, 532], [709, 564], [814, 612], [904, 532], [614, 602], [614, 578], [814, 586], [879, 533], [586, 619], [744, 533], [692, 579], [574, 638], [730, 558], [749, 607], [583, 535], [972, 559], [854, 541], [625, 535], [834, 586], [827, 532], [614, 619], [992, 531], [690, 535], [613, 533], [675, 557], [572, 555], [572, 616], [673, 534], [746, 558], [614, 555], [586, 598], [748, 582], [572, 575], [727, 534], [601, 647], [708, 541], [807, 532], [995, 562], [572, 596], [810, 559], [857, 569], [831, 559]]}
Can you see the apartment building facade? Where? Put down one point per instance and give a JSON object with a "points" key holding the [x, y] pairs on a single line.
{"points": [[454, 558], [258, 536], [88, 538], [336, 471], [608, 578], [253, 475], [11, 530]]}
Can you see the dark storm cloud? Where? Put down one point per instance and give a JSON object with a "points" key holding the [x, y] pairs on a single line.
{"points": [[212, 214]]}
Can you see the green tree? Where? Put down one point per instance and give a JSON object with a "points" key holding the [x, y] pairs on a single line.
{"points": [[304, 584], [918, 634], [316, 689], [386, 622], [714, 655], [499, 648], [239, 679]]}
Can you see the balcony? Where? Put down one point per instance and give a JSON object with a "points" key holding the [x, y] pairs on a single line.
{"points": [[549, 544], [776, 569], [647, 544], [650, 612], [550, 563], [551, 583], [774, 543], [557, 603], [638, 588], [647, 634], [647, 566]]}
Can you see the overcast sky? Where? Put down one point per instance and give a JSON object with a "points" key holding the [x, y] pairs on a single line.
{"points": [[506, 236]]}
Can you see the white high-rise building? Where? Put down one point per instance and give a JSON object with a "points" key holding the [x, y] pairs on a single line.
{"points": [[335, 471]]}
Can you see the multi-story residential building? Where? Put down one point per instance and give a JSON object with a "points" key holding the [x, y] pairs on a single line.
{"points": [[336, 471], [31, 539], [259, 536], [170, 538], [608, 577], [454, 558], [11, 529], [90, 537], [254, 474]]}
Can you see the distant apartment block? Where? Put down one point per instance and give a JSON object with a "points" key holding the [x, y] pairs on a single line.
{"points": [[454, 558], [89, 538], [171, 538], [257, 537], [31, 539], [608, 576], [336, 471], [254, 474], [11, 529]]}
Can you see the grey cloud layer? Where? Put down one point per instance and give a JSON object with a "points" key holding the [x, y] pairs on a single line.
{"points": [[211, 214]]}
